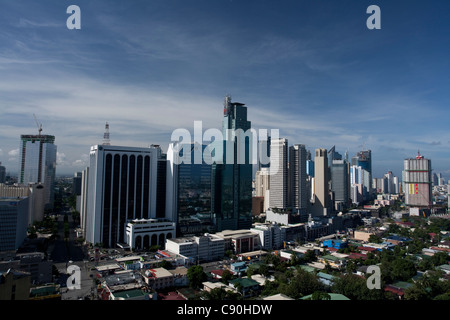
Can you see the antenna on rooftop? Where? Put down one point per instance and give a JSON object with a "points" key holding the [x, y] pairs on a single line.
{"points": [[106, 140]]}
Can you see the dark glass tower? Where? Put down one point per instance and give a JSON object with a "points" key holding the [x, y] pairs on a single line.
{"points": [[232, 179]]}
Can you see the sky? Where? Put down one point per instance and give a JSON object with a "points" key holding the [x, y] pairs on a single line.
{"points": [[311, 69]]}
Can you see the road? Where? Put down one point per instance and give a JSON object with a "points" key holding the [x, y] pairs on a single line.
{"points": [[65, 253]]}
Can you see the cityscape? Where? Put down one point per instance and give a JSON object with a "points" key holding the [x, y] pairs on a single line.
{"points": [[166, 193]]}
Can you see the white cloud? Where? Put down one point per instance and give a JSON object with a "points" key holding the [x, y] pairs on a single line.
{"points": [[60, 158]]}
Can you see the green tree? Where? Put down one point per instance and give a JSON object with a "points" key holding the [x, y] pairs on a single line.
{"points": [[196, 276], [355, 288], [226, 276], [320, 295]]}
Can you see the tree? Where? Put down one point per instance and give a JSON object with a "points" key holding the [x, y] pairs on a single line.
{"points": [[374, 238], [196, 276], [320, 295], [226, 276], [355, 288]]}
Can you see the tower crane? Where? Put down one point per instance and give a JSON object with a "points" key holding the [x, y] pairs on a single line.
{"points": [[39, 125]]}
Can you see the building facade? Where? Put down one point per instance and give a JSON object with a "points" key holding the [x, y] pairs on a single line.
{"points": [[279, 174], [38, 163], [122, 186], [188, 197], [417, 180], [298, 194], [232, 171]]}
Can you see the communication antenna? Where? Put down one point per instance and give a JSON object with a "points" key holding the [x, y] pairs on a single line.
{"points": [[39, 125], [106, 140]]}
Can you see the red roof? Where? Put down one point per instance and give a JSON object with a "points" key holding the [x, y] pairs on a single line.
{"points": [[332, 249], [395, 290], [170, 296], [354, 255], [218, 272], [440, 249]]}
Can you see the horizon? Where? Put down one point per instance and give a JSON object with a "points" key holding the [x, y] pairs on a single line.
{"points": [[311, 69]]}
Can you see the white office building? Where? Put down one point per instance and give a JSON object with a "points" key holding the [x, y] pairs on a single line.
{"points": [[121, 187]]}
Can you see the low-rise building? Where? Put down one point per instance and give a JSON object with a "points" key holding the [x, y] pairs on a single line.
{"points": [[198, 248], [15, 285], [159, 278]]}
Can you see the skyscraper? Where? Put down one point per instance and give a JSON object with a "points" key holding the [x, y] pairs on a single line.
{"points": [[417, 180], [38, 163], [279, 176], [363, 159], [232, 174], [322, 201], [298, 194], [122, 186], [188, 197], [2, 173], [340, 182]]}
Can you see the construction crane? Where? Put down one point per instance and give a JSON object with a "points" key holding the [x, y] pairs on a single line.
{"points": [[39, 125]]}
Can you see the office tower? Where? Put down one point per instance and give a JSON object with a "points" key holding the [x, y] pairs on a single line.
{"points": [[122, 187], [38, 163], [298, 194], [264, 153], [13, 222], [321, 206], [262, 186], [360, 178], [364, 160], [161, 183], [279, 174], [417, 180], [340, 182], [188, 198], [2, 173], [84, 199], [390, 182], [396, 185], [232, 174], [435, 180]]}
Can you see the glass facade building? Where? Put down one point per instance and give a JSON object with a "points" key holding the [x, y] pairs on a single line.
{"points": [[232, 174]]}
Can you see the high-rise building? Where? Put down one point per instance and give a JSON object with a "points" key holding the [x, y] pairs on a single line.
{"points": [[322, 201], [122, 186], [2, 173], [38, 163], [262, 186], [232, 174], [340, 183], [14, 222], [363, 159], [279, 173], [417, 180], [264, 153], [188, 197], [298, 194]]}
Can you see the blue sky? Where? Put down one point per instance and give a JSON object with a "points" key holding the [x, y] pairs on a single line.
{"points": [[309, 68]]}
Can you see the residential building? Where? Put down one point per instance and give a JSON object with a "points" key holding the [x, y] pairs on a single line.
{"points": [[417, 182], [279, 173], [322, 201], [297, 187]]}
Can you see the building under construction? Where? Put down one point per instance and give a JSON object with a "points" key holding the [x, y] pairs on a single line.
{"points": [[417, 184]]}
